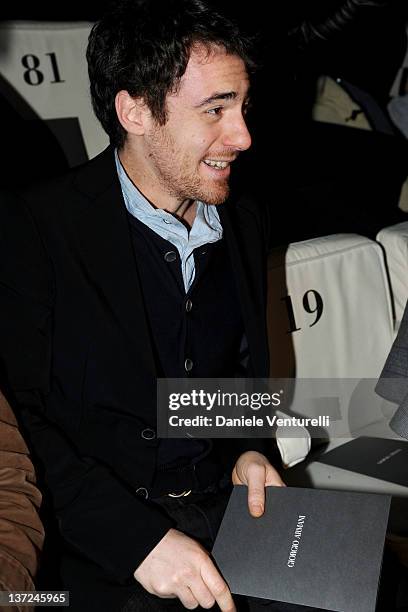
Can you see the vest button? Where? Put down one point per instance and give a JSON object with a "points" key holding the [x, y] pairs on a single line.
{"points": [[170, 256], [189, 305], [188, 365], [148, 434], [142, 492]]}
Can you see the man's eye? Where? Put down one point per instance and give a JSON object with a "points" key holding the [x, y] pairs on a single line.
{"points": [[215, 111]]}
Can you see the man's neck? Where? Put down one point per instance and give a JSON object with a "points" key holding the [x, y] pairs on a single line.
{"points": [[185, 209]]}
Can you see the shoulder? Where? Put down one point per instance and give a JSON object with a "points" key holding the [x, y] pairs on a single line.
{"points": [[86, 181], [253, 215], [246, 206]]}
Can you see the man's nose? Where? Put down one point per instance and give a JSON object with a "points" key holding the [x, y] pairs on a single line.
{"points": [[237, 135]]}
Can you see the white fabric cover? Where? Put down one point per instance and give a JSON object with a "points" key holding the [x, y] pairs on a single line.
{"points": [[394, 239], [52, 100], [351, 340], [355, 332]]}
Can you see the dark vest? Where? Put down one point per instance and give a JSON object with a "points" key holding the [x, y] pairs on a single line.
{"points": [[198, 333]]}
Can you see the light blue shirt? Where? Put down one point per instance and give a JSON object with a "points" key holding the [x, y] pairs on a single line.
{"points": [[206, 227]]}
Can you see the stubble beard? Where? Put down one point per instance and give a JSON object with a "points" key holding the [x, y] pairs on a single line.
{"points": [[175, 181]]}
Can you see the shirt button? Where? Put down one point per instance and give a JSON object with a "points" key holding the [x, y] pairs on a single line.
{"points": [[188, 365], [148, 434], [189, 305], [170, 256], [167, 221], [142, 492]]}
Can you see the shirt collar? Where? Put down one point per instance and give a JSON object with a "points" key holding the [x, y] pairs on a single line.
{"points": [[207, 221]]}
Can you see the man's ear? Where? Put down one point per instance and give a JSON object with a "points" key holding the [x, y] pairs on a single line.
{"points": [[132, 113]]}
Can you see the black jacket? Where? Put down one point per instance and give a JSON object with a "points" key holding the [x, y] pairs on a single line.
{"points": [[78, 357]]}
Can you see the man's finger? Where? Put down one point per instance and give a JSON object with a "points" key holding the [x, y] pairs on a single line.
{"points": [[218, 587], [274, 480], [202, 594], [187, 598], [256, 489]]}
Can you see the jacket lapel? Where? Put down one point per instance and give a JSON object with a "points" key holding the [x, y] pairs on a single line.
{"points": [[105, 242]]}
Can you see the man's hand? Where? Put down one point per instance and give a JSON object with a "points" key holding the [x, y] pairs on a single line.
{"points": [[254, 470], [180, 567]]}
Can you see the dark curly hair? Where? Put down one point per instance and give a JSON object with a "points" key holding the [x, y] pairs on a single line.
{"points": [[143, 47]]}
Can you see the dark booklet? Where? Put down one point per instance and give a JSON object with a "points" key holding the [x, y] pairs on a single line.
{"points": [[311, 547], [376, 457]]}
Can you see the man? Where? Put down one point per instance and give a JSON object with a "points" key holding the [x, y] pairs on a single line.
{"points": [[125, 270]]}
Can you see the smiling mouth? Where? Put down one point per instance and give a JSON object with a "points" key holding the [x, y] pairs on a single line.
{"points": [[216, 164]]}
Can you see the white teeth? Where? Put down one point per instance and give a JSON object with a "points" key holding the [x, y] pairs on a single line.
{"points": [[216, 164]]}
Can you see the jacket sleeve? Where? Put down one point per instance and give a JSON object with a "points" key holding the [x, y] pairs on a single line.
{"points": [[98, 513], [21, 531]]}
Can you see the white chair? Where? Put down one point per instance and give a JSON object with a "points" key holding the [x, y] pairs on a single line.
{"points": [[43, 66], [329, 309], [330, 330]]}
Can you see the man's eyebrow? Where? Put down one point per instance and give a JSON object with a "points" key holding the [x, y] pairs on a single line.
{"points": [[228, 95]]}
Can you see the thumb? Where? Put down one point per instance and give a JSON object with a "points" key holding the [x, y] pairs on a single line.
{"points": [[256, 490]]}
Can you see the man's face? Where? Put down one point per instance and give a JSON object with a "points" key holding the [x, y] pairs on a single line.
{"points": [[190, 156]]}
